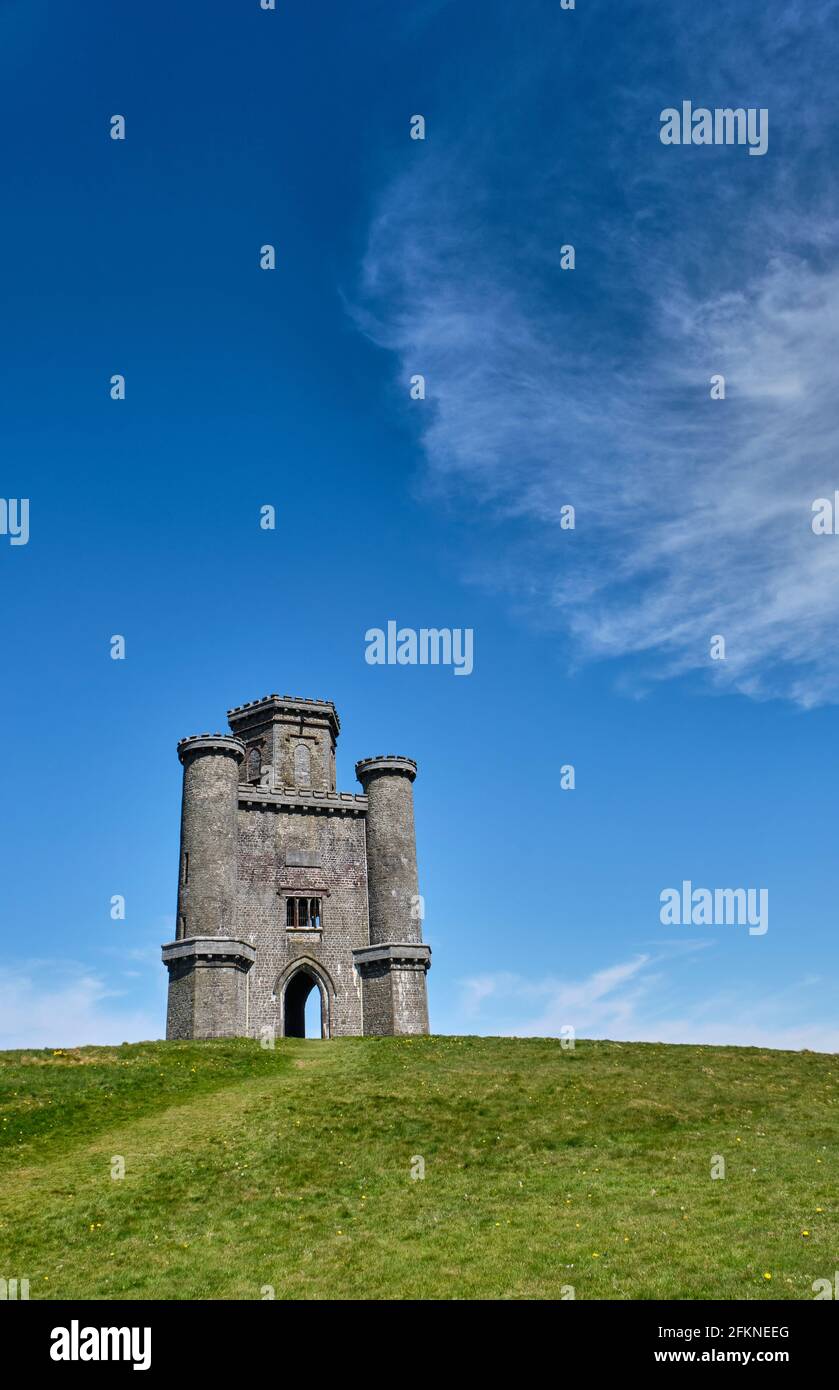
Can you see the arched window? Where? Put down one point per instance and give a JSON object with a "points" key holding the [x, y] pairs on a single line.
{"points": [[254, 764], [302, 766]]}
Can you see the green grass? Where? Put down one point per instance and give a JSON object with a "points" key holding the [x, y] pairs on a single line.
{"points": [[544, 1168]]}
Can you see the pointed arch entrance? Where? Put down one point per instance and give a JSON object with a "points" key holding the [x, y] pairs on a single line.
{"points": [[292, 991]]}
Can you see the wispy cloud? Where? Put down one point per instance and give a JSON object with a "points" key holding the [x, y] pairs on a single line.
{"points": [[638, 1000], [60, 1004], [592, 386]]}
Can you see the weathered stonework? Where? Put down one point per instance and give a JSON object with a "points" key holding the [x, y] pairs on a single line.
{"points": [[263, 826]]}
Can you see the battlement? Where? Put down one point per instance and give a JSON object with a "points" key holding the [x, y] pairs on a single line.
{"points": [[286, 704], [385, 762], [211, 743], [303, 799]]}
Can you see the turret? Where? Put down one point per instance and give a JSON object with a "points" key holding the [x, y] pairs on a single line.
{"points": [[394, 965], [392, 885], [207, 882], [207, 963], [289, 741]]}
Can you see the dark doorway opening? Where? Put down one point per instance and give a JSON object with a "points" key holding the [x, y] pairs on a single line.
{"points": [[297, 992]]}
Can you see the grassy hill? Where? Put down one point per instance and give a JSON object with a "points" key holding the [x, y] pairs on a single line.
{"points": [[544, 1168]]}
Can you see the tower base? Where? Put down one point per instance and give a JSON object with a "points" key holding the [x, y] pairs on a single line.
{"points": [[394, 997], [208, 987]]}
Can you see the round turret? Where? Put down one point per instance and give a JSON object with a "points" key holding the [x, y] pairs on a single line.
{"points": [[392, 885], [207, 883]]}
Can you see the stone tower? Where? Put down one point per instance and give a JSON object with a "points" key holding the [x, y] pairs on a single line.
{"points": [[287, 885]]}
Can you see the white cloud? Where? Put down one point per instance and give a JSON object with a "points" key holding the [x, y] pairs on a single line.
{"points": [[638, 1001], [693, 516], [59, 1004]]}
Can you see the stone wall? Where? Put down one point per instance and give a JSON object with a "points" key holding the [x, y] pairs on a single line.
{"points": [[393, 981], [180, 1011], [271, 842]]}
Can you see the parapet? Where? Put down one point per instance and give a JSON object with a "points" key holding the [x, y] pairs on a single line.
{"points": [[211, 743], [285, 704], [386, 762], [303, 799]]}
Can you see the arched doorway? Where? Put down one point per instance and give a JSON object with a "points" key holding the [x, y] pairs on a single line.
{"points": [[300, 1006]]}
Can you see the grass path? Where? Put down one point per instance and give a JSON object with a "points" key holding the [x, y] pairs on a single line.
{"points": [[544, 1169]]}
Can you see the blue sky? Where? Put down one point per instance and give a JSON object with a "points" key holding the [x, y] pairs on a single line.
{"points": [[544, 387]]}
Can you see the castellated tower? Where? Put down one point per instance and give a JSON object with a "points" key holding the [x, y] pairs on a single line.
{"points": [[287, 885]]}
